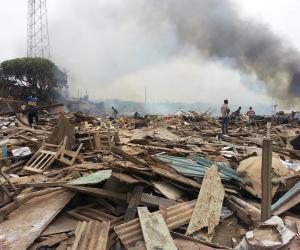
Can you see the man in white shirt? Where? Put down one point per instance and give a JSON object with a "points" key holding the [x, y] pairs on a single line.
{"points": [[225, 117]]}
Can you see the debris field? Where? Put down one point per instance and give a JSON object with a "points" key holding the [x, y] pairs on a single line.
{"points": [[173, 182]]}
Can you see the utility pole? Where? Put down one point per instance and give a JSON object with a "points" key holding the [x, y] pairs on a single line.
{"points": [[145, 95], [37, 29]]}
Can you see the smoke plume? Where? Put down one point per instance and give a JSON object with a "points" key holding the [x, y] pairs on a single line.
{"points": [[116, 48], [216, 30]]}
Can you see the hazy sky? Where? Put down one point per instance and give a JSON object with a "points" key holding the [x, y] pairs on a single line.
{"points": [[107, 54]]}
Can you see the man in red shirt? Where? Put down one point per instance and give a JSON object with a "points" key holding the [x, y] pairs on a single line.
{"points": [[251, 116]]}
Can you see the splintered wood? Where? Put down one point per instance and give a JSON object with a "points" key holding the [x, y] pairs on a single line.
{"points": [[154, 238], [91, 235], [208, 207], [27, 222]]}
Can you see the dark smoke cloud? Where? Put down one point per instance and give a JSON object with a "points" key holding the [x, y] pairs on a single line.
{"points": [[216, 30]]}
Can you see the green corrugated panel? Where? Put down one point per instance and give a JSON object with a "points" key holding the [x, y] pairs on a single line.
{"points": [[226, 170], [187, 167], [92, 178]]}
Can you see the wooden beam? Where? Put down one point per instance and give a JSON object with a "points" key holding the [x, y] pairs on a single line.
{"points": [[266, 180], [127, 156], [96, 192], [133, 203], [156, 201]]}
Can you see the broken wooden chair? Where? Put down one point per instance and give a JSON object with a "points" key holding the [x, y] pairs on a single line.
{"points": [[67, 156], [44, 157]]}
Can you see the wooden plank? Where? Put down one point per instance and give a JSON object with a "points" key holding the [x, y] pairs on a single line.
{"points": [[27, 222], [298, 227], [127, 156], [52, 240], [208, 207], [195, 240], [156, 201], [133, 203], [266, 180], [96, 192], [63, 223], [168, 190], [295, 200], [126, 178], [154, 238]]}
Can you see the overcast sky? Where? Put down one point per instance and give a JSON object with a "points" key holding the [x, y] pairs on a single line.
{"points": [[107, 54]]}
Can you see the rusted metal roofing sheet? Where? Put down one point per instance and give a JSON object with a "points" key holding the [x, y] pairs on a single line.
{"points": [[91, 235], [177, 216]]}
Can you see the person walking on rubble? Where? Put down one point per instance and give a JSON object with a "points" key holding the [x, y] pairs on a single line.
{"points": [[251, 116], [32, 109], [115, 113], [225, 117]]}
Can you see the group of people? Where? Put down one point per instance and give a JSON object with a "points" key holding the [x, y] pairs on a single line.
{"points": [[225, 111]]}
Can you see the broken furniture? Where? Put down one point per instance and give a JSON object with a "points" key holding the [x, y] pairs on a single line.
{"points": [[44, 157], [68, 156], [99, 140]]}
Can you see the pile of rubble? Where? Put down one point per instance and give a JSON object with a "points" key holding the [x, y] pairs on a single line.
{"points": [[82, 182]]}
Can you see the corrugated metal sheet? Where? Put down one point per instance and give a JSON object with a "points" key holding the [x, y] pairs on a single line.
{"points": [[288, 195], [177, 216], [91, 235], [197, 166], [224, 169]]}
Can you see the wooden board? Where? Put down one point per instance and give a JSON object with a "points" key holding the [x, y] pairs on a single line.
{"points": [[96, 192], [125, 178], [295, 200], [154, 238], [168, 190], [208, 207], [27, 222], [61, 224], [156, 201], [133, 203]]}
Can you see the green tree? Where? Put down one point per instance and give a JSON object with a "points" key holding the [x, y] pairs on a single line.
{"points": [[38, 74]]}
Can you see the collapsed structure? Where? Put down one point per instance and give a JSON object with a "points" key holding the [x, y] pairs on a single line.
{"points": [[83, 182]]}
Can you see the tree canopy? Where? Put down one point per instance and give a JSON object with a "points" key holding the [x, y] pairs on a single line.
{"points": [[38, 74]]}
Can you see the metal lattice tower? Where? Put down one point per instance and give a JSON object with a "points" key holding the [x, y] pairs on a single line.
{"points": [[37, 29]]}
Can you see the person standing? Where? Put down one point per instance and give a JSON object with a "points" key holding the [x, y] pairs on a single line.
{"points": [[225, 117], [32, 109], [237, 114], [251, 116], [115, 112]]}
